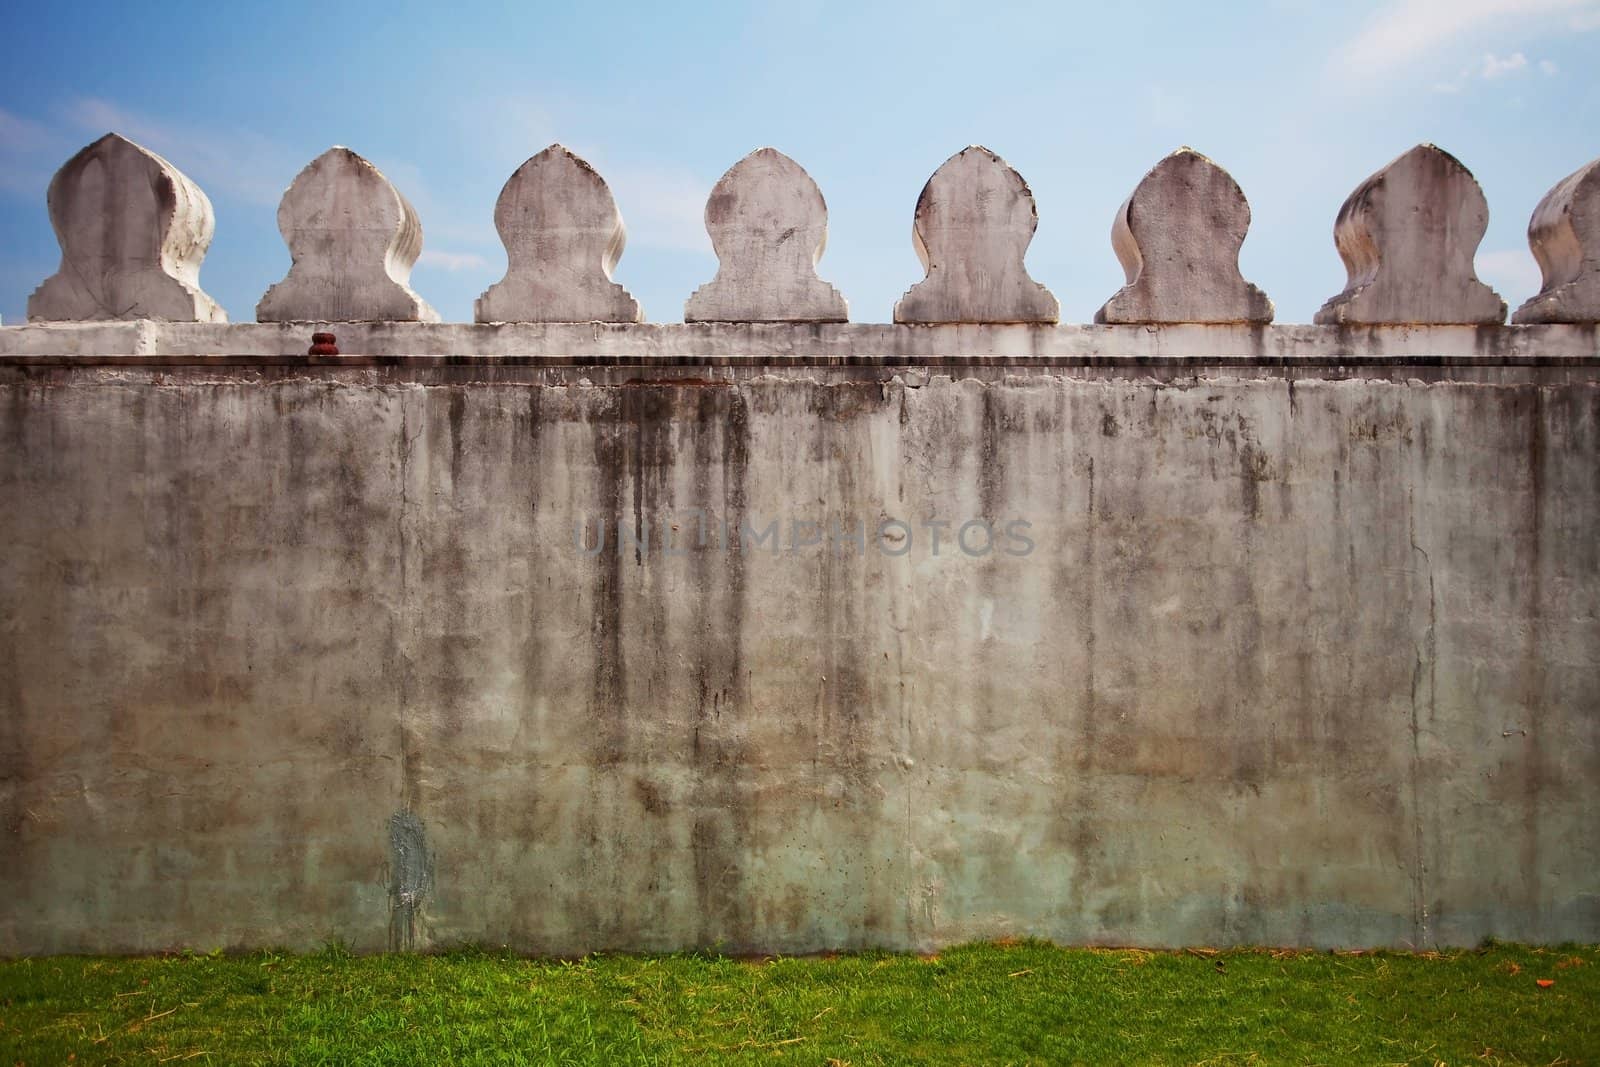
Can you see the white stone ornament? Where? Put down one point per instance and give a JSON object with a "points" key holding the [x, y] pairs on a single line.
{"points": [[768, 224], [133, 230], [1178, 238], [353, 240], [1564, 234], [563, 237], [1407, 236], [974, 222]]}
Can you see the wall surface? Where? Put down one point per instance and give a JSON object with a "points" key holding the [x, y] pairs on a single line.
{"points": [[1305, 650]]}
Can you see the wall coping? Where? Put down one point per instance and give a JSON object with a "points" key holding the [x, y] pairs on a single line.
{"points": [[158, 343]]}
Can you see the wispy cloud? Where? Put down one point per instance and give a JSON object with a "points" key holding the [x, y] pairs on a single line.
{"points": [[662, 205], [30, 152], [240, 162], [1411, 30], [1491, 68], [448, 217], [1495, 67], [452, 261], [1512, 272]]}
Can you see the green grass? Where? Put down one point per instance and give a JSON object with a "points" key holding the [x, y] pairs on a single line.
{"points": [[1022, 1003]]}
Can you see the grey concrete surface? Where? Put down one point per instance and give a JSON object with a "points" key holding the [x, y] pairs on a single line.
{"points": [[563, 236], [353, 239], [769, 225], [1407, 236], [299, 651], [974, 221], [1564, 235], [133, 230], [1178, 239]]}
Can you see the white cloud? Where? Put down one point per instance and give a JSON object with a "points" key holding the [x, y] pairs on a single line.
{"points": [[1492, 68], [231, 160], [663, 206], [1495, 67], [1512, 272], [30, 152], [1548, 67], [1408, 31], [451, 261]]}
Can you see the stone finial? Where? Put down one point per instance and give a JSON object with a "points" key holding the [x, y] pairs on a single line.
{"points": [[769, 225], [1178, 238], [133, 230], [974, 222], [1564, 234], [563, 237], [353, 239], [1407, 236]]}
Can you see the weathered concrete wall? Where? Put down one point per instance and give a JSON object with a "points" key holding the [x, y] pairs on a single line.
{"points": [[293, 652]]}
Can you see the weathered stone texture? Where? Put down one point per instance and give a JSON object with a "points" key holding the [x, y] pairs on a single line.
{"points": [[353, 240], [974, 222], [768, 224], [563, 236], [1178, 239], [1407, 236], [1564, 234], [291, 657], [133, 230]]}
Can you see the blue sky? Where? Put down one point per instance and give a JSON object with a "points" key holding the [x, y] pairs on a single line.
{"points": [[1299, 101]]}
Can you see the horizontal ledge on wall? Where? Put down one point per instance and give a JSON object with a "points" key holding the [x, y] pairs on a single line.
{"points": [[155, 343]]}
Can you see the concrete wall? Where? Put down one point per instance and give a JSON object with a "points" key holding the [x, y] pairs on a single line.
{"points": [[293, 650]]}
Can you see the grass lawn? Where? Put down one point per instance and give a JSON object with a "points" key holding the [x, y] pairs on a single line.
{"points": [[1017, 1003]]}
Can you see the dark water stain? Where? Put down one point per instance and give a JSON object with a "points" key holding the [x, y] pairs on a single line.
{"points": [[1253, 467], [458, 408], [17, 770], [411, 880], [655, 415], [846, 704], [994, 439], [722, 795], [528, 455], [452, 651], [608, 682], [1534, 651], [1079, 829], [651, 796], [633, 429]]}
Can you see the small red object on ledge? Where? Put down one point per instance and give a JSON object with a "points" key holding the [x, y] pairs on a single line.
{"points": [[323, 344]]}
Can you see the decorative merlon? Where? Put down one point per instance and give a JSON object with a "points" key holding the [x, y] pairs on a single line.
{"points": [[133, 230], [353, 240], [974, 222], [1564, 234], [768, 224], [1178, 238], [1407, 236], [563, 236]]}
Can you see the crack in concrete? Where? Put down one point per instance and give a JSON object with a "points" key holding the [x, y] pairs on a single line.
{"points": [[1426, 659]]}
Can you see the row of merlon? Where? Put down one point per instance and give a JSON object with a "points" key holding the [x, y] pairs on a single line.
{"points": [[133, 230]]}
